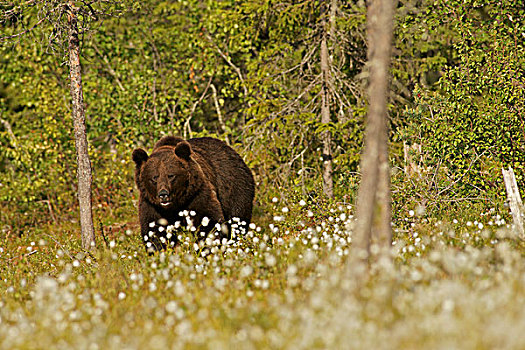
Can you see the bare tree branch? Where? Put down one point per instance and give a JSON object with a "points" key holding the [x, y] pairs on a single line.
{"points": [[187, 126], [230, 63], [9, 37], [219, 114], [110, 69], [9, 130]]}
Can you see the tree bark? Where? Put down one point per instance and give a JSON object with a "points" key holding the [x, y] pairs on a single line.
{"points": [[84, 176], [373, 208], [326, 136]]}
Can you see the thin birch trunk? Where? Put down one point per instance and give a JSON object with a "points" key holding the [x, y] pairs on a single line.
{"points": [[84, 176], [326, 137], [373, 212], [382, 12]]}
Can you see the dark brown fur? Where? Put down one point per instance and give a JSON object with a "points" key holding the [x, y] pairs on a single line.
{"points": [[201, 174]]}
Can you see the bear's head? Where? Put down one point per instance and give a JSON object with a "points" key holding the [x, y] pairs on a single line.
{"points": [[167, 177]]}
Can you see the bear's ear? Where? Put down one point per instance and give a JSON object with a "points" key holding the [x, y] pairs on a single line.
{"points": [[139, 156], [168, 141], [183, 150]]}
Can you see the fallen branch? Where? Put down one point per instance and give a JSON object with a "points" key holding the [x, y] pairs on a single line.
{"points": [[21, 256]]}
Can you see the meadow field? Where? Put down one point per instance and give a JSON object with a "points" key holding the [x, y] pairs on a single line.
{"points": [[458, 284], [421, 102]]}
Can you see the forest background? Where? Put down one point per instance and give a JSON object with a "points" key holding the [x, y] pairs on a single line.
{"points": [[250, 73]]}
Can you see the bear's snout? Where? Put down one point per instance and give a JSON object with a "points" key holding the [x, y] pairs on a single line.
{"points": [[163, 195]]}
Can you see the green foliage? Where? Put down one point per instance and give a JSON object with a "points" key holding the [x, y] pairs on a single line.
{"points": [[285, 107], [147, 73], [148, 70], [473, 124], [36, 157]]}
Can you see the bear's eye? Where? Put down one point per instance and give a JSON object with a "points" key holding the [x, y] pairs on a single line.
{"points": [[154, 179], [171, 177]]}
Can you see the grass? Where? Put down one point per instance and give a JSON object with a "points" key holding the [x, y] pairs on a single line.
{"points": [[453, 284]]}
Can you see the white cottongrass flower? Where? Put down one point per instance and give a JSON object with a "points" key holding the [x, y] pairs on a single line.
{"points": [[246, 271], [171, 307], [270, 260], [265, 284]]}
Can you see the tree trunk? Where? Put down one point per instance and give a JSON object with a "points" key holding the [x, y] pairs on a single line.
{"points": [[84, 176], [326, 136], [373, 208]]}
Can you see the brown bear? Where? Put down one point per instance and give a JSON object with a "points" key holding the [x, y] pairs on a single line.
{"points": [[203, 176]]}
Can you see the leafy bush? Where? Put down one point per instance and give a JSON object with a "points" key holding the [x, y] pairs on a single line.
{"points": [[472, 126]]}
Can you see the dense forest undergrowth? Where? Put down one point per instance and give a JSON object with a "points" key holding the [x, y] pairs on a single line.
{"points": [[248, 72]]}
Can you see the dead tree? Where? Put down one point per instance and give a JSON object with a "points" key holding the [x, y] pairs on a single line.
{"points": [[373, 207]]}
